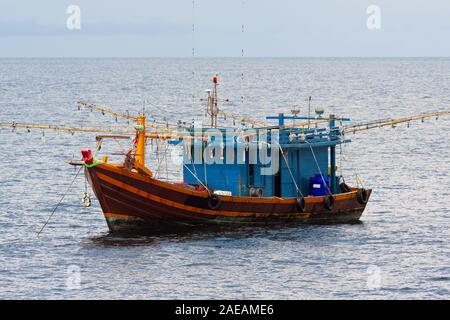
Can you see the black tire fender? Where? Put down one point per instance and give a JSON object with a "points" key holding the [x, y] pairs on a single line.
{"points": [[214, 202], [361, 196], [300, 204], [329, 202], [344, 188]]}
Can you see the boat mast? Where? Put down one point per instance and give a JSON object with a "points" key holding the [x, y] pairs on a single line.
{"points": [[333, 188], [213, 102], [141, 140]]}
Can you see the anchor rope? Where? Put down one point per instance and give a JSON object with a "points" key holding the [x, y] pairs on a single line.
{"points": [[59, 203]]}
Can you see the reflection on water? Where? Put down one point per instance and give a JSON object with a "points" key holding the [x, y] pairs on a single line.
{"points": [[201, 233]]}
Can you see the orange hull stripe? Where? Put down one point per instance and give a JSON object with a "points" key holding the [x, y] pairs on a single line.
{"points": [[115, 215], [173, 203], [203, 194], [121, 171]]}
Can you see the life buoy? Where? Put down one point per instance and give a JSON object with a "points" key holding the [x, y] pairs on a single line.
{"points": [[329, 202], [344, 188], [300, 204], [361, 196], [214, 202]]}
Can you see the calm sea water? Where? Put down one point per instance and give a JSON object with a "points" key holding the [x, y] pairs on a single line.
{"points": [[400, 250]]}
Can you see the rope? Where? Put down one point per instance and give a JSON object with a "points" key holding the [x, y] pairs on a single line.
{"points": [[98, 146], [120, 145], [193, 166], [199, 181], [193, 54], [167, 168], [290, 172], [242, 53], [359, 181], [161, 160], [318, 167], [204, 169], [60, 201]]}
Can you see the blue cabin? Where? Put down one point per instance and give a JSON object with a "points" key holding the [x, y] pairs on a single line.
{"points": [[276, 161]]}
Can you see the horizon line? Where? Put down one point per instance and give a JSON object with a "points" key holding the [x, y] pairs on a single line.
{"points": [[225, 57]]}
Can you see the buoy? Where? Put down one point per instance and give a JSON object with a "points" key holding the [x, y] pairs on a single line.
{"points": [[86, 200]]}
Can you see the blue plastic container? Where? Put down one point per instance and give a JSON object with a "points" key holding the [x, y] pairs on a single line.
{"points": [[317, 186]]}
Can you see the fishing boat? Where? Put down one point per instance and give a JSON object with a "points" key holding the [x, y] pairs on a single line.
{"points": [[243, 175], [276, 171]]}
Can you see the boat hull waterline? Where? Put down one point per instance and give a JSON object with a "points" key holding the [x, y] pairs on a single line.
{"points": [[131, 201]]}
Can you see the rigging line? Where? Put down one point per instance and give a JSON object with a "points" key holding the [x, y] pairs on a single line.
{"points": [[167, 167], [159, 108], [193, 54], [318, 167], [242, 52], [290, 172], [204, 169], [199, 181], [193, 165], [60, 201], [120, 145], [359, 181], [161, 160], [121, 115], [98, 146], [190, 155]]}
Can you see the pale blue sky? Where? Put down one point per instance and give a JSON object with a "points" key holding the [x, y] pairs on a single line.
{"points": [[278, 28]]}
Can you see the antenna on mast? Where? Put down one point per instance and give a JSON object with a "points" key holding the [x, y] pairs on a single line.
{"points": [[214, 108], [143, 107], [212, 101], [309, 110]]}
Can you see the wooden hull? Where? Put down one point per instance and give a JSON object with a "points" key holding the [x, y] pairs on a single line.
{"points": [[132, 201]]}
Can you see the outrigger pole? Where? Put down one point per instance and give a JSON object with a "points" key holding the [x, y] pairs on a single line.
{"points": [[118, 134], [390, 122], [174, 135], [127, 116], [15, 125], [82, 104]]}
